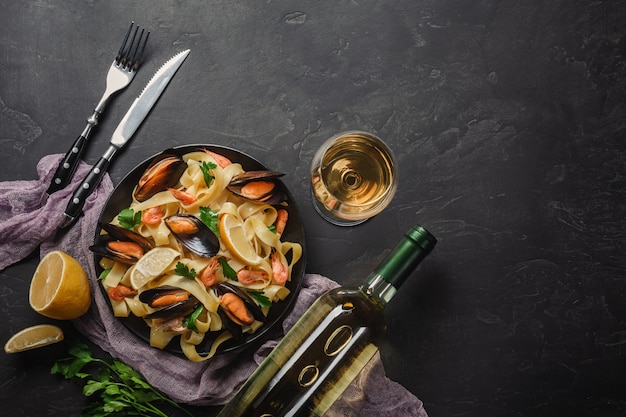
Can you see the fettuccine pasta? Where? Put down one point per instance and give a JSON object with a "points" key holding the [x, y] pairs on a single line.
{"points": [[251, 259]]}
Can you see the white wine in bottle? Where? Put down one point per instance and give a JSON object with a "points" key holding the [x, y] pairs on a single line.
{"points": [[330, 344]]}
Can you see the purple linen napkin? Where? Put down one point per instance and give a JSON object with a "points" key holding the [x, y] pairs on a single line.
{"points": [[27, 220], [212, 382]]}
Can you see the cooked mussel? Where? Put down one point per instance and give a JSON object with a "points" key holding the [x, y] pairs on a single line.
{"points": [[170, 301], [258, 186], [121, 244], [164, 172], [163, 296], [235, 329], [238, 305], [193, 234], [124, 234], [124, 252]]}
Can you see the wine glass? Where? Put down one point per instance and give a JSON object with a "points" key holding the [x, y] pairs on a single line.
{"points": [[353, 178]]}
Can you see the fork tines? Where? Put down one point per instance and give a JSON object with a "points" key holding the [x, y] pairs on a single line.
{"points": [[129, 55]]}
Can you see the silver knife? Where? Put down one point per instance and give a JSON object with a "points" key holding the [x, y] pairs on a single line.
{"points": [[125, 130]]}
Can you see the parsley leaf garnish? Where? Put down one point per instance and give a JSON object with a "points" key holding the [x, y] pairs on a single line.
{"points": [[206, 168], [184, 271], [190, 321], [228, 271], [104, 274], [260, 298], [210, 218], [129, 219]]}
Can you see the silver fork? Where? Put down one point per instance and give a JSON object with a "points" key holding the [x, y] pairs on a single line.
{"points": [[121, 73]]}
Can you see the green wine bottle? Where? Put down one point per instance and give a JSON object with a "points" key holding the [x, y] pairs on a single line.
{"points": [[329, 345]]}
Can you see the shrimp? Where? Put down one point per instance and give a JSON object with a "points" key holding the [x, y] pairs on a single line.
{"points": [[152, 216], [281, 221], [279, 270], [208, 274], [221, 160], [183, 196], [251, 276], [120, 292]]}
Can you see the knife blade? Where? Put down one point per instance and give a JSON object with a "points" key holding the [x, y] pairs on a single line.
{"points": [[122, 134]]}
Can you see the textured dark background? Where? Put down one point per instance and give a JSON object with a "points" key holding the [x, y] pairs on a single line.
{"points": [[507, 119]]}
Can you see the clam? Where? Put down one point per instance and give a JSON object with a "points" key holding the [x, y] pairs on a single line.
{"points": [[121, 244], [163, 173], [193, 234], [259, 186], [170, 302]]}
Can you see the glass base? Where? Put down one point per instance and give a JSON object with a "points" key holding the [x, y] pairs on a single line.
{"points": [[332, 219]]}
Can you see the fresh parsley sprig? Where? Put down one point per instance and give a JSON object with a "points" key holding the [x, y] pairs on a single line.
{"points": [[211, 219], [104, 274], [129, 219], [122, 390], [190, 321], [184, 271], [228, 270], [260, 298], [206, 168]]}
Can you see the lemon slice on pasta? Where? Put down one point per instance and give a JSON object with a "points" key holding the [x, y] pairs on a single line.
{"points": [[152, 264], [234, 236]]}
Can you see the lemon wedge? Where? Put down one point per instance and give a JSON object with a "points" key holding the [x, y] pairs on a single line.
{"points": [[34, 337], [152, 264], [234, 236], [59, 288]]}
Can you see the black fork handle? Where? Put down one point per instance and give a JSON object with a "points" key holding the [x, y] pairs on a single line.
{"points": [[67, 166], [87, 187]]}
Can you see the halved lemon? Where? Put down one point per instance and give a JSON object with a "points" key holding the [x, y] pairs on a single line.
{"points": [[59, 288], [34, 337], [152, 264], [234, 236]]}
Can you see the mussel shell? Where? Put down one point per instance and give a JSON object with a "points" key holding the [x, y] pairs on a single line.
{"points": [[184, 308], [162, 173], [120, 234], [202, 241], [102, 248], [148, 296], [126, 235], [248, 176], [235, 330], [255, 310], [274, 197]]}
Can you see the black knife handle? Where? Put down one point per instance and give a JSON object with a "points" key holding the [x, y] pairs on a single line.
{"points": [[84, 190], [67, 166]]}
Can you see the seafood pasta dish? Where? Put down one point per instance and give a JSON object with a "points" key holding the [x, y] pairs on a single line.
{"points": [[198, 252]]}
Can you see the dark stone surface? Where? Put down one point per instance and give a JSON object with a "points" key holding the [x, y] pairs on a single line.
{"points": [[508, 121]]}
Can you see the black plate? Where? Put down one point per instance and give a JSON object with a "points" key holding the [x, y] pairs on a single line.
{"points": [[294, 232]]}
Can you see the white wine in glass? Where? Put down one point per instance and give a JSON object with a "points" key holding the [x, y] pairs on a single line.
{"points": [[353, 177]]}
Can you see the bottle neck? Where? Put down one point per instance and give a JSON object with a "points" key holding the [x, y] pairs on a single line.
{"points": [[390, 274], [376, 286]]}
